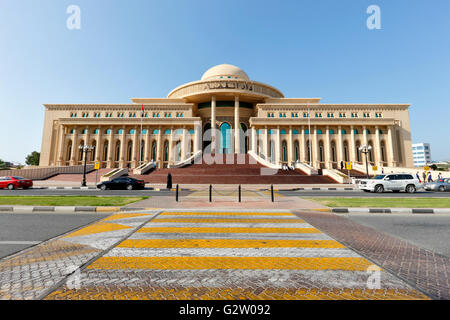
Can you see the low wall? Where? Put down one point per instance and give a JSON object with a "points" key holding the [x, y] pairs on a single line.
{"points": [[47, 172], [434, 174]]}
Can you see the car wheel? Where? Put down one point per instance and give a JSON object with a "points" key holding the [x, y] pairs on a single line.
{"points": [[103, 187], [410, 188], [130, 187], [379, 188], [11, 187], [441, 189]]}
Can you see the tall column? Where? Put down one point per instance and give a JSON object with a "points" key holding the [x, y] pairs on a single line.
{"points": [[377, 147], [123, 149], [254, 144], [99, 144], [213, 124], [315, 149], [86, 142], [159, 147], [303, 153], [237, 126], [197, 134], [148, 147], [390, 142], [352, 147], [61, 145], [183, 144], [111, 148], [278, 147], [340, 147], [290, 147], [73, 153], [136, 148], [265, 144], [170, 145], [328, 160], [365, 135]]}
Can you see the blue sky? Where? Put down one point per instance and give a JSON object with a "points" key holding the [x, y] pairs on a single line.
{"points": [[141, 48]]}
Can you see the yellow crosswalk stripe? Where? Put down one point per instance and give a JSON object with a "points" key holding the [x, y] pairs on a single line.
{"points": [[190, 263], [204, 293], [199, 213], [219, 220]]}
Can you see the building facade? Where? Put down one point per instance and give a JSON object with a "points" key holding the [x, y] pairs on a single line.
{"points": [[421, 154], [226, 112]]}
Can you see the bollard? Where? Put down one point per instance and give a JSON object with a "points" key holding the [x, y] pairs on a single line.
{"points": [[271, 191], [210, 193], [239, 193], [176, 194]]}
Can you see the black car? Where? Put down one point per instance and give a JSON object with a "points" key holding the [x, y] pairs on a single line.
{"points": [[122, 183]]}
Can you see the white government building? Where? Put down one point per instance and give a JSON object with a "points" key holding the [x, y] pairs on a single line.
{"points": [[201, 117]]}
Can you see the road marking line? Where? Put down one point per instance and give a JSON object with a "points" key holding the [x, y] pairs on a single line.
{"points": [[228, 243], [202, 220], [197, 263], [227, 230], [169, 213]]}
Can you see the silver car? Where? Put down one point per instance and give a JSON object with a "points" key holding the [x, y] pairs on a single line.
{"points": [[440, 185]]}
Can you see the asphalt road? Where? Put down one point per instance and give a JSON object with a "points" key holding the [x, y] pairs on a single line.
{"points": [[153, 193], [361, 194], [426, 231], [20, 231]]}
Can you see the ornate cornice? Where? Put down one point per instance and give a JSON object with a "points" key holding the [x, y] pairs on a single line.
{"points": [[225, 86]]}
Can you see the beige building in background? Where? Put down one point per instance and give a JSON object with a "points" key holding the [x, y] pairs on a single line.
{"points": [[202, 116]]}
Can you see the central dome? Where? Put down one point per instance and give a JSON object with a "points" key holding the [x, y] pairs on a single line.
{"points": [[225, 71]]}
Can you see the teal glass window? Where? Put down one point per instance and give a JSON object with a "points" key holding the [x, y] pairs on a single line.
{"points": [[156, 131], [191, 131], [132, 131], [167, 131], [283, 131], [295, 131]]}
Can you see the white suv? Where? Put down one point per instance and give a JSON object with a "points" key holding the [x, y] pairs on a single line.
{"points": [[395, 182]]}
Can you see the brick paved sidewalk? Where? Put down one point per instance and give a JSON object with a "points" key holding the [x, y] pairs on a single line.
{"points": [[426, 270]]}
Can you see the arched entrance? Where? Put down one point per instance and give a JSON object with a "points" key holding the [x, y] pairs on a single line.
{"points": [[225, 141]]}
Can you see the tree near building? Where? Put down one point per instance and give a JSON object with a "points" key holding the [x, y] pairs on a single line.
{"points": [[3, 165], [33, 159]]}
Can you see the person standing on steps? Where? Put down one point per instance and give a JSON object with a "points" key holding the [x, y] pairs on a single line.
{"points": [[169, 181]]}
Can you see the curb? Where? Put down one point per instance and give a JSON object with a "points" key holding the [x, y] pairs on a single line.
{"points": [[62, 209], [385, 210]]}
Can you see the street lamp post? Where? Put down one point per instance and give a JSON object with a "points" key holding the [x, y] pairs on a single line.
{"points": [[366, 149], [85, 149]]}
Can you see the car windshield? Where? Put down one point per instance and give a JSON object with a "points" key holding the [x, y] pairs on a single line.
{"points": [[380, 177], [19, 178]]}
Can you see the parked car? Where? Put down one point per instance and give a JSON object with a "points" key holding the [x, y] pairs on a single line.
{"points": [[122, 183], [14, 182], [395, 182], [440, 185]]}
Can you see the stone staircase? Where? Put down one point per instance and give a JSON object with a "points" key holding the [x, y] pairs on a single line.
{"points": [[354, 173], [231, 172]]}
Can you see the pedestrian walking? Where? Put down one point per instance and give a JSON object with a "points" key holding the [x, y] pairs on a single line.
{"points": [[169, 181], [418, 177], [439, 176], [424, 176]]}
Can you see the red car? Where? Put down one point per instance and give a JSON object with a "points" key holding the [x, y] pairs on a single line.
{"points": [[13, 182]]}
